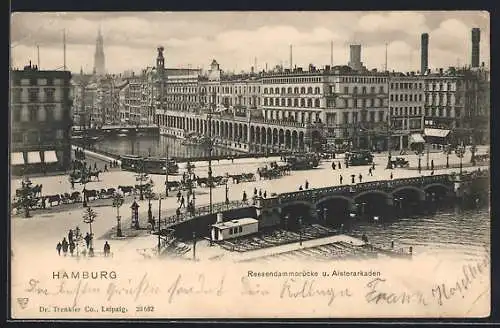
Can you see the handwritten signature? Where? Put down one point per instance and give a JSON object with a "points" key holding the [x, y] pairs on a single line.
{"points": [[470, 272], [182, 287], [292, 288], [80, 288]]}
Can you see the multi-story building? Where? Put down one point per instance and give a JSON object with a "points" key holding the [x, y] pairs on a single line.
{"points": [[406, 110], [133, 101], [356, 107], [41, 120]]}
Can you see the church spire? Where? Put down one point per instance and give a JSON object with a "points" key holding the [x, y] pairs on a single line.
{"points": [[99, 60]]}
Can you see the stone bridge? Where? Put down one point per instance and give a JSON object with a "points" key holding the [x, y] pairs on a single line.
{"points": [[338, 201]]}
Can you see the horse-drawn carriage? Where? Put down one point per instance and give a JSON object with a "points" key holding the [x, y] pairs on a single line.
{"points": [[400, 162]]}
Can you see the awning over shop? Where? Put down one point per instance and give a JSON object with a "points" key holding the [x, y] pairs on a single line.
{"points": [[34, 157], [17, 159], [440, 133], [416, 138], [50, 156]]}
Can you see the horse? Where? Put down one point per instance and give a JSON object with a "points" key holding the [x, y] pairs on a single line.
{"points": [[90, 193], [95, 174], [37, 190], [126, 189], [75, 197], [54, 198]]}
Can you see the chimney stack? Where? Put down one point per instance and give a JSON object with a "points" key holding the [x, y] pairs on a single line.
{"points": [[424, 48], [476, 38], [355, 57]]}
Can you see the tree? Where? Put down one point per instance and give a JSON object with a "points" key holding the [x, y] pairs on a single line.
{"points": [[26, 198], [89, 216], [118, 202]]}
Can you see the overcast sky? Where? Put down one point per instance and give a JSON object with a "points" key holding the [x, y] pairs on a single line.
{"points": [[234, 39]]}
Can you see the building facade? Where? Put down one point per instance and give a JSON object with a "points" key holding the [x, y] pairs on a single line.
{"points": [[406, 109], [41, 120]]}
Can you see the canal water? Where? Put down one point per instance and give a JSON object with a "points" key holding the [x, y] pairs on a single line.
{"points": [[450, 233], [155, 146]]}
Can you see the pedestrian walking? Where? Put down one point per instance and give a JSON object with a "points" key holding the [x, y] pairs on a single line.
{"points": [[58, 247], [352, 178], [77, 232], [265, 193], [260, 192], [432, 165], [333, 165], [65, 246], [107, 248], [179, 196], [87, 240], [391, 176], [370, 173], [341, 179], [72, 184], [244, 197], [300, 188], [70, 236], [360, 178], [373, 166], [255, 192], [340, 165], [72, 247], [105, 168], [182, 202], [307, 185]]}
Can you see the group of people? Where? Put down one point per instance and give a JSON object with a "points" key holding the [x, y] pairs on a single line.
{"points": [[74, 237], [182, 203], [70, 244]]}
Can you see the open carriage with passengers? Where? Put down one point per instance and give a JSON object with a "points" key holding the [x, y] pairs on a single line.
{"points": [[400, 162]]}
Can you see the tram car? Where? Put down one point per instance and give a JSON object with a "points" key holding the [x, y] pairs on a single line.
{"points": [[361, 157], [151, 165]]}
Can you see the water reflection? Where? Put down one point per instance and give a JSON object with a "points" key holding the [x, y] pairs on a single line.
{"points": [[155, 146]]}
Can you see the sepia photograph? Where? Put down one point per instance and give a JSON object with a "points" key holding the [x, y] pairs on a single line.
{"points": [[235, 165]]}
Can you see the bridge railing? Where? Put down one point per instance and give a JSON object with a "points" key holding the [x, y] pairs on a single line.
{"points": [[203, 210], [359, 187]]}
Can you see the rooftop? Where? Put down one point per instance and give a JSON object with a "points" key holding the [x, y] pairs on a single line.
{"points": [[235, 223]]}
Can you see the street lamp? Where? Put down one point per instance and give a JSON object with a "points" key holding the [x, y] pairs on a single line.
{"points": [[300, 231], [447, 151], [389, 125], [460, 152], [227, 196], [419, 153], [117, 202]]}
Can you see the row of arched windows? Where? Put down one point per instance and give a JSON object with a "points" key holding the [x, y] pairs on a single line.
{"points": [[288, 102], [291, 90]]}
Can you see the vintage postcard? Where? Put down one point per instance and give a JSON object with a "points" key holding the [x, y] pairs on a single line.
{"points": [[249, 165]]}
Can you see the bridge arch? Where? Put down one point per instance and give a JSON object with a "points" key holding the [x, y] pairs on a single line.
{"points": [[292, 211], [437, 185], [418, 191], [333, 197], [368, 192]]}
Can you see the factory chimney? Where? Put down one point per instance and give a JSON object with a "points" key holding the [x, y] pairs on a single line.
{"points": [[476, 38], [424, 48], [355, 57]]}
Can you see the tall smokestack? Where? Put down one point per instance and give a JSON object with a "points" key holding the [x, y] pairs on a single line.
{"points": [[291, 58], [424, 59], [355, 57], [476, 38], [331, 53]]}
